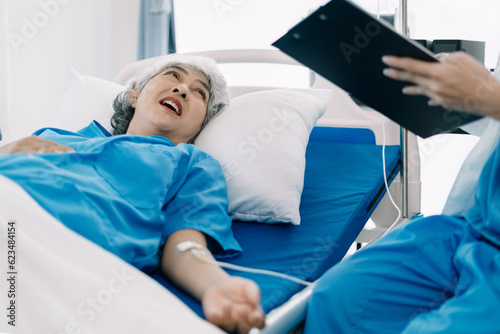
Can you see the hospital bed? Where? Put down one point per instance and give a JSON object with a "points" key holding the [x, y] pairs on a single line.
{"points": [[343, 190], [343, 203]]}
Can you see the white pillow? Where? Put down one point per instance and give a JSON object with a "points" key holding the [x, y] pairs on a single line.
{"points": [[260, 142], [86, 99]]}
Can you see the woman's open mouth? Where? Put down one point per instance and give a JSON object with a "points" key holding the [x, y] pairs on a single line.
{"points": [[172, 104]]}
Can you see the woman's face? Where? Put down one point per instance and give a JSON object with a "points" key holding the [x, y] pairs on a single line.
{"points": [[173, 104]]}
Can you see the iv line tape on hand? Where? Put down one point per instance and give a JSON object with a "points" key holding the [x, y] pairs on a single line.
{"points": [[191, 247]]}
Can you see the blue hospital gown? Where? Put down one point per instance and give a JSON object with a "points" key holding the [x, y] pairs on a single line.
{"points": [[127, 193]]}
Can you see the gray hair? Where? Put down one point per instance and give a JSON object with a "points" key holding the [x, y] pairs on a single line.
{"points": [[219, 93]]}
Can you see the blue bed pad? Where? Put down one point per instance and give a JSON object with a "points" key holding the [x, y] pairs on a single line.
{"points": [[343, 184]]}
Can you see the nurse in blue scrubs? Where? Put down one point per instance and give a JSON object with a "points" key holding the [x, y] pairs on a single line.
{"points": [[143, 191], [439, 274]]}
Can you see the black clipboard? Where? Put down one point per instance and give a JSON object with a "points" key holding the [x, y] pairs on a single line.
{"points": [[345, 44]]}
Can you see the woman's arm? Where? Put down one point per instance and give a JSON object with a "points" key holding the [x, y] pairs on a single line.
{"points": [[228, 302], [34, 144], [457, 82]]}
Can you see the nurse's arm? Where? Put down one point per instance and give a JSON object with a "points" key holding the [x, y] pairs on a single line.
{"points": [[34, 144], [229, 302]]}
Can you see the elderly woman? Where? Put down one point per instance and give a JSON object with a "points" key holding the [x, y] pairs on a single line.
{"points": [[144, 193]]}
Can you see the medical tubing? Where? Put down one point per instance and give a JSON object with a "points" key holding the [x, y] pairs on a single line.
{"points": [[198, 255], [387, 185]]}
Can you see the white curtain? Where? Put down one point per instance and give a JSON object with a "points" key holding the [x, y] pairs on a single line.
{"points": [[5, 87]]}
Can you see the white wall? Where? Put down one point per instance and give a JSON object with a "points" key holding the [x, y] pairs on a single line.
{"points": [[238, 24], [242, 24], [449, 19], [459, 19], [5, 82], [96, 37]]}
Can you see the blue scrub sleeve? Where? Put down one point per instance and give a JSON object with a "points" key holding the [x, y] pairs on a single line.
{"points": [[485, 216], [201, 204]]}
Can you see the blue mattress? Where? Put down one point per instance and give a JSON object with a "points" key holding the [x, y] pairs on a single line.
{"points": [[343, 184]]}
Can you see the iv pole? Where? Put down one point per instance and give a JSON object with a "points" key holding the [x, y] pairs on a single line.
{"points": [[403, 14]]}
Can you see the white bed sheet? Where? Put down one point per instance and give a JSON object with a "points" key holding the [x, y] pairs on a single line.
{"points": [[67, 284]]}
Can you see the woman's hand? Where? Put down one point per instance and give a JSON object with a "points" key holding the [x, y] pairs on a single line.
{"points": [[457, 82], [234, 304], [34, 144], [228, 302]]}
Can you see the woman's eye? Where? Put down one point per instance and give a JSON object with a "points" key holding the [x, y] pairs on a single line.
{"points": [[174, 74], [202, 93]]}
